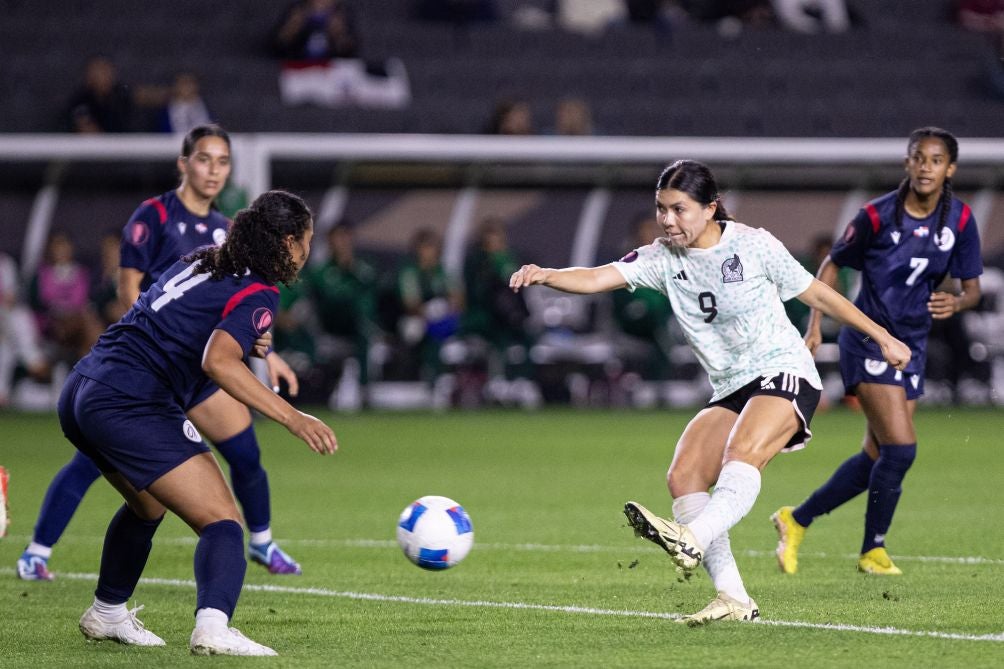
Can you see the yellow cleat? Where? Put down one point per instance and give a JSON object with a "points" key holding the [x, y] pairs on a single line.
{"points": [[877, 561], [722, 607], [789, 538]]}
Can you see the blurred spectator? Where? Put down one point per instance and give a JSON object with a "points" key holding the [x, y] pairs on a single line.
{"points": [[812, 16], [643, 315], [104, 288], [316, 30], [102, 103], [983, 16], [572, 116], [492, 310], [18, 332], [184, 109], [510, 117], [589, 17], [60, 297], [343, 290], [455, 11], [798, 312], [432, 302]]}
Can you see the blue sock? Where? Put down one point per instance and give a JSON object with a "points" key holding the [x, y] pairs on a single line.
{"points": [[884, 489], [248, 477], [128, 542], [849, 481], [220, 566], [63, 497]]}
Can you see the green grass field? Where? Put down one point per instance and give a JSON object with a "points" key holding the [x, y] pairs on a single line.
{"points": [[555, 577]]}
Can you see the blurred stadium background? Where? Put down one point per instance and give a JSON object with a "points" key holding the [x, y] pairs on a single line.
{"points": [[800, 128]]}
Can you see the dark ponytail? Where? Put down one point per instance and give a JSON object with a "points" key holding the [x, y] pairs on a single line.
{"points": [[696, 180], [257, 240]]}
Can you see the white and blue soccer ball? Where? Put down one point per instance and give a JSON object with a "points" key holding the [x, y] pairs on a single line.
{"points": [[435, 532]]}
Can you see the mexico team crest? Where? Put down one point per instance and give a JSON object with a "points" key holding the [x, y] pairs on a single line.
{"points": [[732, 270]]}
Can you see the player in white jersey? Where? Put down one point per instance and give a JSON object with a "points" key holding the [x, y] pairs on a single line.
{"points": [[726, 282]]}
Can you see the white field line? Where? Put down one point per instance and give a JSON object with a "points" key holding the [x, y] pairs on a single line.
{"points": [[544, 548], [583, 610]]}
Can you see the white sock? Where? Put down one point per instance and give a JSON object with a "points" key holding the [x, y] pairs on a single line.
{"points": [[109, 612], [40, 550], [211, 619], [734, 494], [261, 538], [718, 559]]}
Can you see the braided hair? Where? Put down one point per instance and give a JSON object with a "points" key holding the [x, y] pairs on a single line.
{"points": [[256, 240], [696, 180], [945, 201]]}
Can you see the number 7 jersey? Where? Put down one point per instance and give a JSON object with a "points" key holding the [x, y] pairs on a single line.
{"points": [[728, 300]]}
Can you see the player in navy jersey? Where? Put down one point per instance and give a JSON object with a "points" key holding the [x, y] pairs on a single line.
{"points": [[124, 405], [161, 231], [726, 282], [904, 243]]}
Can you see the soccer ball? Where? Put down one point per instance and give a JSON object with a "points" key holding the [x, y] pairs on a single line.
{"points": [[435, 532]]}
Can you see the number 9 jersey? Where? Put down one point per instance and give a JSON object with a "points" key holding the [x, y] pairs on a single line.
{"points": [[728, 300], [157, 346], [901, 265]]}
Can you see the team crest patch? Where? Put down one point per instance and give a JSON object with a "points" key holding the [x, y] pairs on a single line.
{"points": [[876, 367], [201, 228], [219, 236], [138, 233], [849, 233], [631, 257], [190, 432], [732, 270], [945, 240], [261, 319]]}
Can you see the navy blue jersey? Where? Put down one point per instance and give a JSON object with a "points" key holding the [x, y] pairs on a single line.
{"points": [[157, 346], [902, 265], [161, 231]]}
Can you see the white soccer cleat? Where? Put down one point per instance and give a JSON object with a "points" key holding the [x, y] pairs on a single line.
{"points": [[129, 630], [672, 537], [225, 641], [722, 607]]}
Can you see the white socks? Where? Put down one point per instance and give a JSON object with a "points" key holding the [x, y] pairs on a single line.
{"points": [[109, 613], [211, 619], [261, 538], [718, 560], [39, 550], [737, 488]]}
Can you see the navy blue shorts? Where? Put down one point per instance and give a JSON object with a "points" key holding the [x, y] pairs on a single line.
{"points": [[804, 398], [857, 369], [142, 439]]}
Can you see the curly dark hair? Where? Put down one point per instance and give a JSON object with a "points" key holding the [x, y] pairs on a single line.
{"points": [[257, 240]]}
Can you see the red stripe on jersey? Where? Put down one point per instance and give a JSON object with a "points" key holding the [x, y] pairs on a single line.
{"points": [[964, 218], [874, 215], [159, 206], [250, 290]]}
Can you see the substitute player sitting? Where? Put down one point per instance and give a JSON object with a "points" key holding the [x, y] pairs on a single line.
{"points": [[726, 283]]}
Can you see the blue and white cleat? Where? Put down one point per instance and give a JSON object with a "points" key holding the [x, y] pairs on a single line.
{"points": [[31, 567], [273, 558]]}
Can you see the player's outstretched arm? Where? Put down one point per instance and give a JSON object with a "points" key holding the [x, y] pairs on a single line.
{"points": [[582, 280], [827, 274], [222, 361], [824, 298]]}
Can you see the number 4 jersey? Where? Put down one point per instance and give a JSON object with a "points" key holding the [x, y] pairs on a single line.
{"points": [[157, 346], [729, 301]]}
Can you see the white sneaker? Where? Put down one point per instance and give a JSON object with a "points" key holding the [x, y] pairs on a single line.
{"points": [[129, 630], [225, 641], [722, 607]]}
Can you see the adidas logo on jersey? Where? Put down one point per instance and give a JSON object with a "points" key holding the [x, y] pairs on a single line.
{"points": [[681, 275]]}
